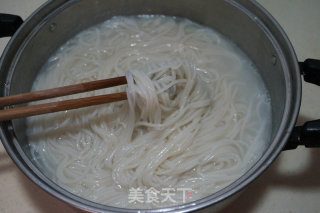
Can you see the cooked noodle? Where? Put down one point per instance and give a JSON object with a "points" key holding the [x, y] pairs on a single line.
{"points": [[197, 115]]}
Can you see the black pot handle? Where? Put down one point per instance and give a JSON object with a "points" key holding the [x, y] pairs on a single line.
{"points": [[310, 69], [9, 24], [309, 133]]}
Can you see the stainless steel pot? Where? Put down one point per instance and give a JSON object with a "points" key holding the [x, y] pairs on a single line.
{"points": [[245, 22]]}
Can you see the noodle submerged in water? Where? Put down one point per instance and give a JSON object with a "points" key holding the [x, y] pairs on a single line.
{"points": [[197, 115]]}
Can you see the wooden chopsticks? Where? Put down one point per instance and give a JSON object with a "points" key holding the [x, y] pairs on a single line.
{"points": [[39, 109]]}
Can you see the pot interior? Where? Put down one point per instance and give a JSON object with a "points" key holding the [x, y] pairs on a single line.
{"points": [[243, 22]]}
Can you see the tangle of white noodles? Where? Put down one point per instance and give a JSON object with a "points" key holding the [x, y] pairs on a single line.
{"points": [[197, 114]]}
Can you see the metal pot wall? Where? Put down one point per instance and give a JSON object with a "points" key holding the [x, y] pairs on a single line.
{"points": [[244, 22]]}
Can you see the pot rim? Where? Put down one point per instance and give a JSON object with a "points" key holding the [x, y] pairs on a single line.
{"points": [[293, 100]]}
